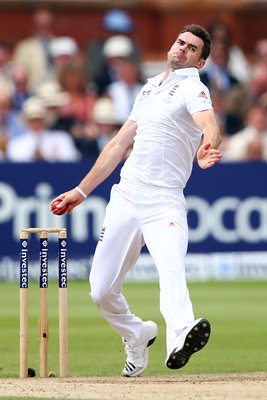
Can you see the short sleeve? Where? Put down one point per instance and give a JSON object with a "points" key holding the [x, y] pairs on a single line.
{"points": [[197, 96], [136, 105]]}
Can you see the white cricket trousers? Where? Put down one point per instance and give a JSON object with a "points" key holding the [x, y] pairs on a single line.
{"points": [[135, 216]]}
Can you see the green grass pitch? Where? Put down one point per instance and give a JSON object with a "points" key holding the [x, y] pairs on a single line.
{"points": [[237, 311]]}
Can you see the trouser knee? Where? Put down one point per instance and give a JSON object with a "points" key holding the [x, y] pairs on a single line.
{"points": [[99, 297], [110, 302]]}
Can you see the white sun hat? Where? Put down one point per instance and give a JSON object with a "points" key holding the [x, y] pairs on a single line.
{"points": [[118, 46], [33, 107]]}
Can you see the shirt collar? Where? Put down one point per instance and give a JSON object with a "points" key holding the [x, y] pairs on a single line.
{"points": [[181, 73], [186, 72], [156, 80]]}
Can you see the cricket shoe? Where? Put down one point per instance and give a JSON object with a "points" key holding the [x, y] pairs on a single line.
{"points": [[192, 339], [137, 357]]}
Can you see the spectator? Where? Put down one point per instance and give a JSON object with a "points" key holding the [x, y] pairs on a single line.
{"points": [[54, 97], [34, 52], [11, 124], [60, 116], [125, 89], [105, 120], [239, 147], [99, 129], [258, 83], [115, 22], [218, 78], [217, 75], [6, 65], [81, 101], [115, 50], [237, 64], [254, 151], [64, 51], [20, 91], [65, 54], [262, 101], [85, 141], [38, 143]]}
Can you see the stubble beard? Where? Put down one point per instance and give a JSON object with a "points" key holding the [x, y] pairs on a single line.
{"points": [[174, 63]]}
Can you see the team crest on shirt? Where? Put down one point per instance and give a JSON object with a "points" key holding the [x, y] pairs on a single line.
{"points": [[203, 94]]}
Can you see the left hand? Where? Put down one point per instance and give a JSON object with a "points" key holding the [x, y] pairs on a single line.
{"points": [[207, 156]]}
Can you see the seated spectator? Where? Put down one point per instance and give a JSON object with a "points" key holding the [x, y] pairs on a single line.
{"points": [[6, 65], [237, 64], [38, 143], [20, 91], [33, 53], [94, 135], [81, 101], [218, 78], [258, 83], [11, 124], [115, 50], [216, 74], [85, 141], [235, 106], [64, 51], [254, 151], [115, 22], [238, 146], [125, 89], [105, 121], [54, 97]]}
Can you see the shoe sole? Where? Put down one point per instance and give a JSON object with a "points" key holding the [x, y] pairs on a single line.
{"points": [[194, 341], [149, 343]]}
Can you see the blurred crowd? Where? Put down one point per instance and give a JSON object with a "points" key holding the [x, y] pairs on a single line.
{"points": [[62, 103]]}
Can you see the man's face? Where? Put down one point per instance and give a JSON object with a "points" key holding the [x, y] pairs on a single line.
{"points": [[36, 124], [43, 23], [186, 52]]}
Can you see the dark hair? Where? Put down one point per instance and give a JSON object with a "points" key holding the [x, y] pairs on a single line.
{"points": [[203, 34]]}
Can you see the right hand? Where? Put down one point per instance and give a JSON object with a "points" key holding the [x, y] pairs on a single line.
{"points": [[68, 200], [207, 156]]}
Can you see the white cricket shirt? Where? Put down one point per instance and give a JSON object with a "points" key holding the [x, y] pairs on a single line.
{"points": [[167, 138]]}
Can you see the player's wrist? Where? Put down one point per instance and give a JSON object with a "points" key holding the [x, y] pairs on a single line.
{"points": [[81, 191]]}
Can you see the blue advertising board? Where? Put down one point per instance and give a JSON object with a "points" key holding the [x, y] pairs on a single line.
{"points": [[227, 207], [26, 191]]}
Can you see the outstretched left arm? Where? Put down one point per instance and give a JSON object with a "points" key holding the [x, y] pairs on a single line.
{"points": [[208, 153]]}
